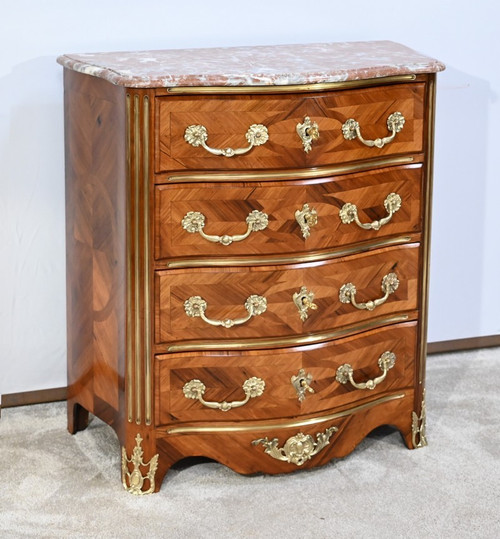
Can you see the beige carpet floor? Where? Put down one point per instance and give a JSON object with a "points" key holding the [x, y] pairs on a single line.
{"points": [[57, 485]]}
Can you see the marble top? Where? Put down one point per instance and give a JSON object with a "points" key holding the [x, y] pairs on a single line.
{"points": [[253, 66]]}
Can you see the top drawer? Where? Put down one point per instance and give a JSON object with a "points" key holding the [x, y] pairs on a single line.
{"points": [[226, 121]]}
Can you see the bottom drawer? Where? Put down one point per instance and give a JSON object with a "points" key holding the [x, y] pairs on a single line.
{"points": [[287, 445], [266, 384]]}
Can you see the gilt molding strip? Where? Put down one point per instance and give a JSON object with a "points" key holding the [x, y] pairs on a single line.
{"points": [[281, 342], [137, 273], [291, 88], [299, 259], [431, 96], [208, 428], [147, 272], [292, 174], [138, 339], [129, 322]]}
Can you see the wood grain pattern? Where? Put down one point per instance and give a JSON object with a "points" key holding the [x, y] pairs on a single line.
{"points": [[237, 451], [227, 119], [95, 240], [223, 374], [125, 303], [226, 206], [226, 289]]}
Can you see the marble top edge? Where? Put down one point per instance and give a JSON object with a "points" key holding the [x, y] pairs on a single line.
{"points": [[275, 65]]}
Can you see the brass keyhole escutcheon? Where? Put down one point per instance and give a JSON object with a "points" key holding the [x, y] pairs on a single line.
{"points": [[308, 132], [307, 217], [301, 383], [304, 300]]}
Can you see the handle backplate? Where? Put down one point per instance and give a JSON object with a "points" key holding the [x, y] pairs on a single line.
{"points": [[197, 135], [195, 389], [194, 222], [347, 293], [349, 213], [255, 305], [385, 362], [352, 130]]}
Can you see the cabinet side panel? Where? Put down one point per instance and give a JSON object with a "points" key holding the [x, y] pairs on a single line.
{"points": [[96, 245]]}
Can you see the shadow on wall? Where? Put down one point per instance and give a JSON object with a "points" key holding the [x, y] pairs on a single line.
{"points": [[459, 206], [32, 268]]}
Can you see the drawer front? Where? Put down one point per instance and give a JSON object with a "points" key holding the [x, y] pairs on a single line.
{"points": [[222, 293], [285, 445], [226, 121], [288, 208], [223, 376]]}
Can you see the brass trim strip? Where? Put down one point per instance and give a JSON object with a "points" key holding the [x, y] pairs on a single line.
{"points": [[281, 342], [130, 352], [290, 88], [427, 230], [137, 156], [256, 426], [292, 174], [286, 259], [147, 272]]}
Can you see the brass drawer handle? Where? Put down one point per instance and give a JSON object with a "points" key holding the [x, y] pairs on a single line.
{"points": [[197, 135], [308, 132], [347, 293], [385, 362], [307, 218], [299, 448], [194, 222], [395, 123], [196, 306], [253, 387], [349, 213]]}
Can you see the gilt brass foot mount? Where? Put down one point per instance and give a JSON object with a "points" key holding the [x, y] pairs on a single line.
{"points": [[133, 481], [418, 424]]}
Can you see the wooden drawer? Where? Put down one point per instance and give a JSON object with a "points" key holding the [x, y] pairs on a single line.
{"points": [[223, 375], [227, 119], [225, 291], [225, 208], [284, 445]]}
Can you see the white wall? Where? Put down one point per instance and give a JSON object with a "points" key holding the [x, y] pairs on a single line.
{"points": [[465, 289]]}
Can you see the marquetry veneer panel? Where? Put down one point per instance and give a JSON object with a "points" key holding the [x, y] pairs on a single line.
{"points": [[226, 206], [227, 119], [226, 289], [223, 374], [175, 385]]}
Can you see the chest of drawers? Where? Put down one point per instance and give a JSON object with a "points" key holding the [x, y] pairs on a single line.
{"points": [[247, 251]]}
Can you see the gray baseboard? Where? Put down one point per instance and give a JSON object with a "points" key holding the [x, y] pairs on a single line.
{"points": [[25, 398], [458, 345]]}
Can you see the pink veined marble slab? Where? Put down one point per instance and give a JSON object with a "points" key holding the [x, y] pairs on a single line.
{"points": [[253, 66]]}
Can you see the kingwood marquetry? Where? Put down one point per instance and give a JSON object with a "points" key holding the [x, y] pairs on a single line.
{"points": [[235, 449], [226, 206], [246, 277], [227, 120], [226, 289], [95, 228], [223, 374]]}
